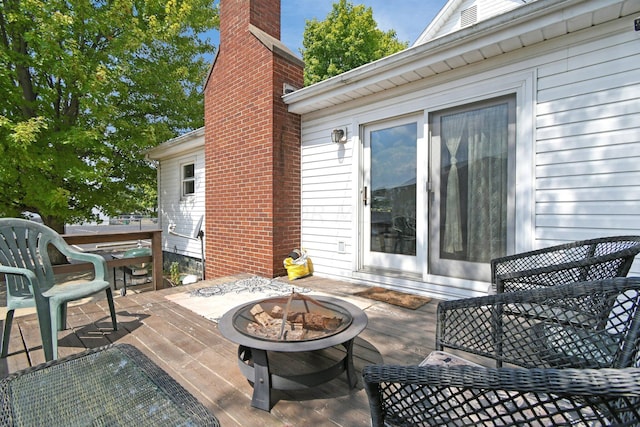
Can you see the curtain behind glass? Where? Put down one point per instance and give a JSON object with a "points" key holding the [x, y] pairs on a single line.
{"points": [[487, 180], [475, 211], [452, 129]]}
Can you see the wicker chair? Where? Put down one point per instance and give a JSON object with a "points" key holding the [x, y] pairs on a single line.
{"points": [[579, 261], [578, 345]]}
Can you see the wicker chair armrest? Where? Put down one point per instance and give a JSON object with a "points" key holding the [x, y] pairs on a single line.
{"points": [[540, 295], [466, 395]]}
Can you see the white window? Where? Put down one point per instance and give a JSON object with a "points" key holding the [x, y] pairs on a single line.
{"points": [[188, 179]]}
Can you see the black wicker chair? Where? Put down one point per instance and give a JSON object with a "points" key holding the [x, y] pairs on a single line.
{"points": [[572, 352], [579, 261]]}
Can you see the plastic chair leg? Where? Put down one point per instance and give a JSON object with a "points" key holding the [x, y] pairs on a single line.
{"points": [[62, 317], [7, 332], [48, 330], [53, 344]]}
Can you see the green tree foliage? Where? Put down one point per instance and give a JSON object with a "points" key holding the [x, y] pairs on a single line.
{"points": [[88, 85], [348, 38]]}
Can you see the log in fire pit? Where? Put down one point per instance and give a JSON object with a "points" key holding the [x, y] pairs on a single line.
{"points": [[293, 318]]}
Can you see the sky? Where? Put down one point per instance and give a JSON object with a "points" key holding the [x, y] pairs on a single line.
{"points": [[408, 17]]}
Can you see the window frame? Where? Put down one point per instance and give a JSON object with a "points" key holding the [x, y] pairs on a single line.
{"points": [[185, 180]]}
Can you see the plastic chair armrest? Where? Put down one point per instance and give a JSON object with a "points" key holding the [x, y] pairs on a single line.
{"points": [[28, 274], [99, 263]]}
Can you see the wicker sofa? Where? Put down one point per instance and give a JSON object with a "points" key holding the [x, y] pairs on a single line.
{"points": [[578, 261], [568, 355]]}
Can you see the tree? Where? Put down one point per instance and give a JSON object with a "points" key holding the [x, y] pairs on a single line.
{"points": [[86, 87], [348, 38]]}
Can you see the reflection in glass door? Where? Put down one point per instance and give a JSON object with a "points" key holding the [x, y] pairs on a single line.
{"points": [[389, 195]]}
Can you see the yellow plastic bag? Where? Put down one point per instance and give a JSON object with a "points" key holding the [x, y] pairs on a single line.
{"points": [[298, 267]]}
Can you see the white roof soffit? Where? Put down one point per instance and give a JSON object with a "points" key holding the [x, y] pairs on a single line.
{"points": [[178, 145], [521, 27]]}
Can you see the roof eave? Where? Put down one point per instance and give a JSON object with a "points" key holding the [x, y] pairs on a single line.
{"points": [[185, 143], [507, 26]]}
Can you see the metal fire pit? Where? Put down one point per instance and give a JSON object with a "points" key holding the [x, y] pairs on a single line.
{"points": [[294, 318], [253, 350]]}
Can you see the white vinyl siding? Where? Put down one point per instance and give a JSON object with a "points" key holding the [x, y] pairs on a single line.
{"points": [[327, 198], [578, 142], [588, 142], [184, 212]]}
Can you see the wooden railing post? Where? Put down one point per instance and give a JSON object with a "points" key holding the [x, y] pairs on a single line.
{"points": [[156, 253]]}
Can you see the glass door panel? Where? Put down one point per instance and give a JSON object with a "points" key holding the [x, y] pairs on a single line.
{"points": [[389, 195], [472, 211]]}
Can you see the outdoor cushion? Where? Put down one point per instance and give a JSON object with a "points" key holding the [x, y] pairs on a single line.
{"points": [[445, 359], [571, 346]]}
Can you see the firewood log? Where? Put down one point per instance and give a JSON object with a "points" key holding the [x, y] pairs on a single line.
{"points": [[311, 321], [261, 316], [318, 322]]}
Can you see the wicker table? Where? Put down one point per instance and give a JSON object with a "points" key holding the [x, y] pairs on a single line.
{"points": [[112, 385]]}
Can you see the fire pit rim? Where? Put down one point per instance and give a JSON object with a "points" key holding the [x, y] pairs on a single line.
{"points": [[359, 322], [337, 309]]}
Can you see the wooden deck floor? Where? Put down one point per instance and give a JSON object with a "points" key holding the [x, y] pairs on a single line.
{"points": [[191, 349]]}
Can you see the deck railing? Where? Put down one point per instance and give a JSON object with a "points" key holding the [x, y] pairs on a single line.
{"points": [[155, 259]]}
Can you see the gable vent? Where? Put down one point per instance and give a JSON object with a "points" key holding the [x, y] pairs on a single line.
{"points": [[469, 16]]}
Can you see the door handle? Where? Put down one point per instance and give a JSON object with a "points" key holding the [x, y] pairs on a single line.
{"points": [[364, 195]]}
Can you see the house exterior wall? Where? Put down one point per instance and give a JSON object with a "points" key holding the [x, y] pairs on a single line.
{"points": [[183, 212], [578, 149], [181, 217], [252, 147]]}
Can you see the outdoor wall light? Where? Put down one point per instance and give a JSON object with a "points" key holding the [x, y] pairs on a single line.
{"points": [[339, 136]]}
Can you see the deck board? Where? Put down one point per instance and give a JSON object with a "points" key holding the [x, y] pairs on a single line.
{"points": [[191, 349]]}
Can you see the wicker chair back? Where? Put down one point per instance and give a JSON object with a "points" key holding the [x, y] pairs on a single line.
{"points": [[580, 261]]}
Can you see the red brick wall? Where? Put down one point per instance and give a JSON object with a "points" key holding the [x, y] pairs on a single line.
{"points": [[252, 148], [286, 171], [265, 14]]}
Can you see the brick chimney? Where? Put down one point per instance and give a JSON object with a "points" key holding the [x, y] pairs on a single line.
{"points": [[252, 145]]}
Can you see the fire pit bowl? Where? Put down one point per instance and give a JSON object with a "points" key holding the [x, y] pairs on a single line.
{"points": [[293, 318]]}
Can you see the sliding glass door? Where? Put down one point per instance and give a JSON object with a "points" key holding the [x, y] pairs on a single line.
{"points": [[472, 176], [445, 205]]}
